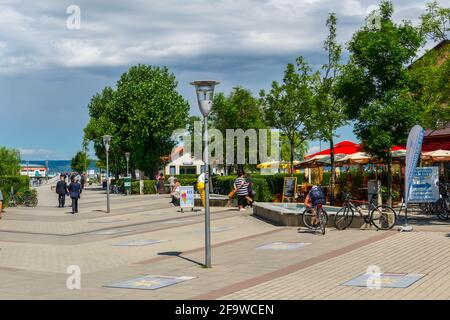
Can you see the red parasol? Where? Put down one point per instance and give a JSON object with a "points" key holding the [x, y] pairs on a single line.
{"points": [[344, 147]]}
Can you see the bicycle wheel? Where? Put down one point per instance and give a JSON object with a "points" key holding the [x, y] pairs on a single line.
{"points": [[442, 209], [323, 219], [383, 217], [12, 202], [307, 217], [343, 218], [31, 202]]}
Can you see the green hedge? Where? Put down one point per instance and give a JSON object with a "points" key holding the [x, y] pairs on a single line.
{"points": [[264, 186], [19, 184], [184, 176], [275, 182]]}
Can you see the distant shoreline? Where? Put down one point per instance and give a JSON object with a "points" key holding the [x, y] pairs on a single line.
{"points": [[58, 166]]}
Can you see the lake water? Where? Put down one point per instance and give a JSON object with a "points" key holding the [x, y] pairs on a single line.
{"points": [[58, 166]]}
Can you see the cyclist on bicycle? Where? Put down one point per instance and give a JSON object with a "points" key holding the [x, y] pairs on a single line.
{"points": [[315, 197]]}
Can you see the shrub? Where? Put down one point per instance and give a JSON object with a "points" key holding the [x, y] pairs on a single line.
{"points": [[384, 194], [186, 176], [18, 183], [135, 187], [265, 186], [149, 186], [262, 190], [224, 184], [188, 181]]}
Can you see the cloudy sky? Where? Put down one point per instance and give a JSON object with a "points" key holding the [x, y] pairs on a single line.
{"points": [[49, 71]]}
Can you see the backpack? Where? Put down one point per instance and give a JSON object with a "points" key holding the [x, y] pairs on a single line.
{"points": [[317, 195]]}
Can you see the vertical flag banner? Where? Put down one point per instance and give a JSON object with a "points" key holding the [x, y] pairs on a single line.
{"points": [[413, 150]]}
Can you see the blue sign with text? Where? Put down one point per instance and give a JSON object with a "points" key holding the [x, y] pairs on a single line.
{"points": [[424, 187]]}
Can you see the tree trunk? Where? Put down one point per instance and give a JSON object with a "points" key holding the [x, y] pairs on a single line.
{"points": [[141, 182], [291, 168], [333, 172], [389, 180]]}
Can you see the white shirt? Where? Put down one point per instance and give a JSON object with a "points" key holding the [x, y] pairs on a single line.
{"points": [[201, 178]]}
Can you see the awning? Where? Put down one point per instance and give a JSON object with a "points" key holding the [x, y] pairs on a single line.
{"points": [[355, 159], [437, 155], [344, 147], [276, 164]]}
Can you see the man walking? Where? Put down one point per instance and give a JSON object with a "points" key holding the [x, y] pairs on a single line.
{"points": [[61, 190], [75, 192], [82, 181]]}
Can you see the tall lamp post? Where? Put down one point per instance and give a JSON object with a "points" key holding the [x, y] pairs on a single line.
{"points": [[106, 143], [205, 94], [127, 156]]}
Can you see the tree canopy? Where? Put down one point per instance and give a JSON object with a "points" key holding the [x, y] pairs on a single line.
{"points": [[140, 115], [288, 106], [328, 109], [9, 161], [79, 162], [375, 84], [435, 23]]}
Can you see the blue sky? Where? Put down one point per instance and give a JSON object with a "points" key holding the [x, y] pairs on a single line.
{"points": [[48, 73]]}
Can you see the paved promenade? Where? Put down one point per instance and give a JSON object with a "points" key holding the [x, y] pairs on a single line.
{"points": [[37, 245]]}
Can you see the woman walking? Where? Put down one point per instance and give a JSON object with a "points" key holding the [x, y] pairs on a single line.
{"points": [[75, 194], [160, 184], [241, 187]]}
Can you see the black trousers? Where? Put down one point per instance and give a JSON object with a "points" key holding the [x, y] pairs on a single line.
{"points": [[74, 205], [242, 201], [61, 199]]}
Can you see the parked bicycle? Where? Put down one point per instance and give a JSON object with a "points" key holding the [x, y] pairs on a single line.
{"points": [[26, 198], [321, 218], [115, 189], [382, 217], [441, 208]]}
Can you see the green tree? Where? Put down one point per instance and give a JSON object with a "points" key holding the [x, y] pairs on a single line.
{"points": [[79, 162], [288, 106], [375, 84], [299, 151], [140, 115], [435, 23], [430, 85], [9, 161], [329, 111], [100, 123], [239, 110]]}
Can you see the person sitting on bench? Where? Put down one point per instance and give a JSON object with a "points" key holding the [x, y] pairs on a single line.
{"points": [[175, 192]]}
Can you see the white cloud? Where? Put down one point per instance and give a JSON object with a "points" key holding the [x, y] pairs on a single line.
{"points": [[119, 34], [313, 150], [35, 153]]}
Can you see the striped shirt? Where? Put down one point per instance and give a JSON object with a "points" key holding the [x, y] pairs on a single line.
{"points": [[241, 185]]}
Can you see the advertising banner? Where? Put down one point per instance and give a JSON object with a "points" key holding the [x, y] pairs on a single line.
{"points": [[187, 197], [413, 150]]}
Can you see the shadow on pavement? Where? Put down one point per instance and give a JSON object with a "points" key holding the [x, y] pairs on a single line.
{"points": [[179, 255]]}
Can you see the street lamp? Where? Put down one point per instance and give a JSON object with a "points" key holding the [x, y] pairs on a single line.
{"points": [[106, 143], [127, 156], [205, 94]]}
